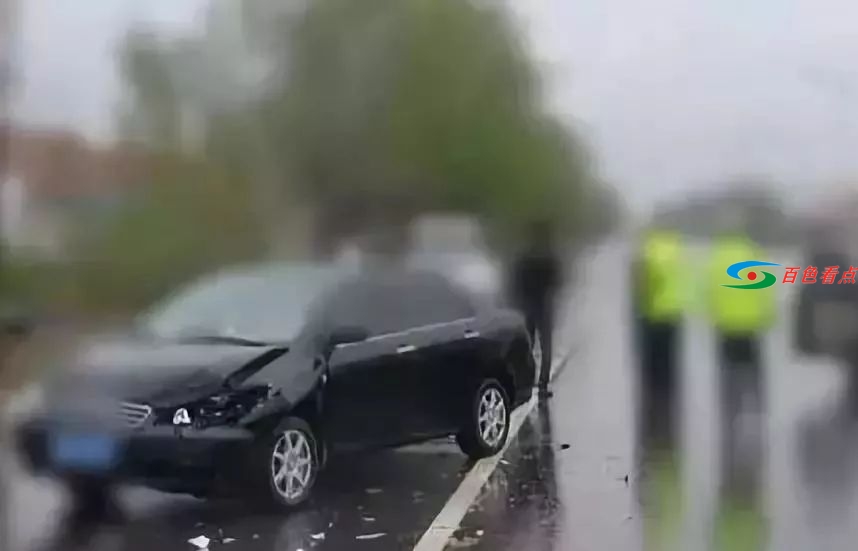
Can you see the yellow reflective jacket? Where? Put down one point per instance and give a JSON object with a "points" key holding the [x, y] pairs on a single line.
{"points": [[739, 311], [661, 278]]}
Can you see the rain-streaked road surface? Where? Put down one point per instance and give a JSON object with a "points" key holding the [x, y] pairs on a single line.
{"points": [[563, 483], [565, 486]]}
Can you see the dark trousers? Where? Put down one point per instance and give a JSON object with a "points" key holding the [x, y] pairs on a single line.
{"points": [[540, 320], [657, 384], [742, 416], [657, 348], [850, 398]]}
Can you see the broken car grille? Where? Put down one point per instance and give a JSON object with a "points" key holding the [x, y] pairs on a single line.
{"points": [[134, 415]]}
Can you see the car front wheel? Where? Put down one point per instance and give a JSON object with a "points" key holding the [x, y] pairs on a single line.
{"points": [[288, 463], [485, 430]]}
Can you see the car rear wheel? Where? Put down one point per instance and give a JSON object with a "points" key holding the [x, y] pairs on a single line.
{"points": [[288, 463], [485, 430]]}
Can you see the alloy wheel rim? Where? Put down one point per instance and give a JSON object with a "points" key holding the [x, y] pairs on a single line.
{"points": [[492, 417], [291, 465]]}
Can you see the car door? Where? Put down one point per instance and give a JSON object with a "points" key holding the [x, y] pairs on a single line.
{"points": [[405, 389], [447, 344], [369, 382]]}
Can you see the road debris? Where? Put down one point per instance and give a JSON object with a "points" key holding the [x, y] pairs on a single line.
{"points": [[228, 540], [319, 537], [373, 536], [200, 542], [367, 518], [564, 446], [372, 491], [460, 540]]}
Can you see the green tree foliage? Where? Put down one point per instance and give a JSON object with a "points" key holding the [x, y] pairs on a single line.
{"points": [[367, 113], [150, 110], [393, 107], [197, 204], [193, 218]]}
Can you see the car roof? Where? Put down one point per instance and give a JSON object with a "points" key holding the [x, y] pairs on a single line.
{"points": [[329, 274], [275, 269]]}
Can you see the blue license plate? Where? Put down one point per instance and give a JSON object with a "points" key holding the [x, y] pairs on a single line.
{"points": [[94, 452]]}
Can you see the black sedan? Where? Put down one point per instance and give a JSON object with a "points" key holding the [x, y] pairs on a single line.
{"points": [[250, 379]]}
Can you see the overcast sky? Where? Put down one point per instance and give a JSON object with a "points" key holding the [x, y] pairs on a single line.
{"points": [[66, 56], [673, 95]]}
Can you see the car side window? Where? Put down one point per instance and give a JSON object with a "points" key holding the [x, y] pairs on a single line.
{"points": [[368, 304], [392, 304], [432, 299]]}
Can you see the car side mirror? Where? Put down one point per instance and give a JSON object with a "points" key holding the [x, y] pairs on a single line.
{"points": [[348, 335]]}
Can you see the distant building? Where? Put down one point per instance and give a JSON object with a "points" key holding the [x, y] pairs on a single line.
{"points": [[54, 177]]}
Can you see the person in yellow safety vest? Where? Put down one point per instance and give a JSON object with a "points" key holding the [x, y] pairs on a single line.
{"points": [[740, 318], [659, 306], [659, 299], [738, 314]]}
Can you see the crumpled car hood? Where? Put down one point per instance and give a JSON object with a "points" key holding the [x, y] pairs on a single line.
{"points": [[158, 373]]}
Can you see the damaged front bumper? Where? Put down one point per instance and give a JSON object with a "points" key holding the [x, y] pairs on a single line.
{"points": [[159, 456]]}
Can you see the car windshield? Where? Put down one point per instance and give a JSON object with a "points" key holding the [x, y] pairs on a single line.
{"points": [[246, 307]]}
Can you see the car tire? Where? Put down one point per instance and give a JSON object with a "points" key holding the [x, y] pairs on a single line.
{"points": [[486, 427], [93, 502], [286, 463]]}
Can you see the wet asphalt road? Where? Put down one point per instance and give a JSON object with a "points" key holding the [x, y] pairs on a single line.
{"points": [[393, 493], [564, 487], [562, 484]]}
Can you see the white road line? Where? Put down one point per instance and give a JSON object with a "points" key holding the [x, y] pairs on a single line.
{"points": [[437, 536]]}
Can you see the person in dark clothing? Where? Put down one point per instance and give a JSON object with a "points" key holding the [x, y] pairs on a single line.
{"points": [[825, 248], [826, 325], [536, 279]]}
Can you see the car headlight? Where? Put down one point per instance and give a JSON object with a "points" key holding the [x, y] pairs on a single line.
{"points": [[181, 417], [223, 408]]}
